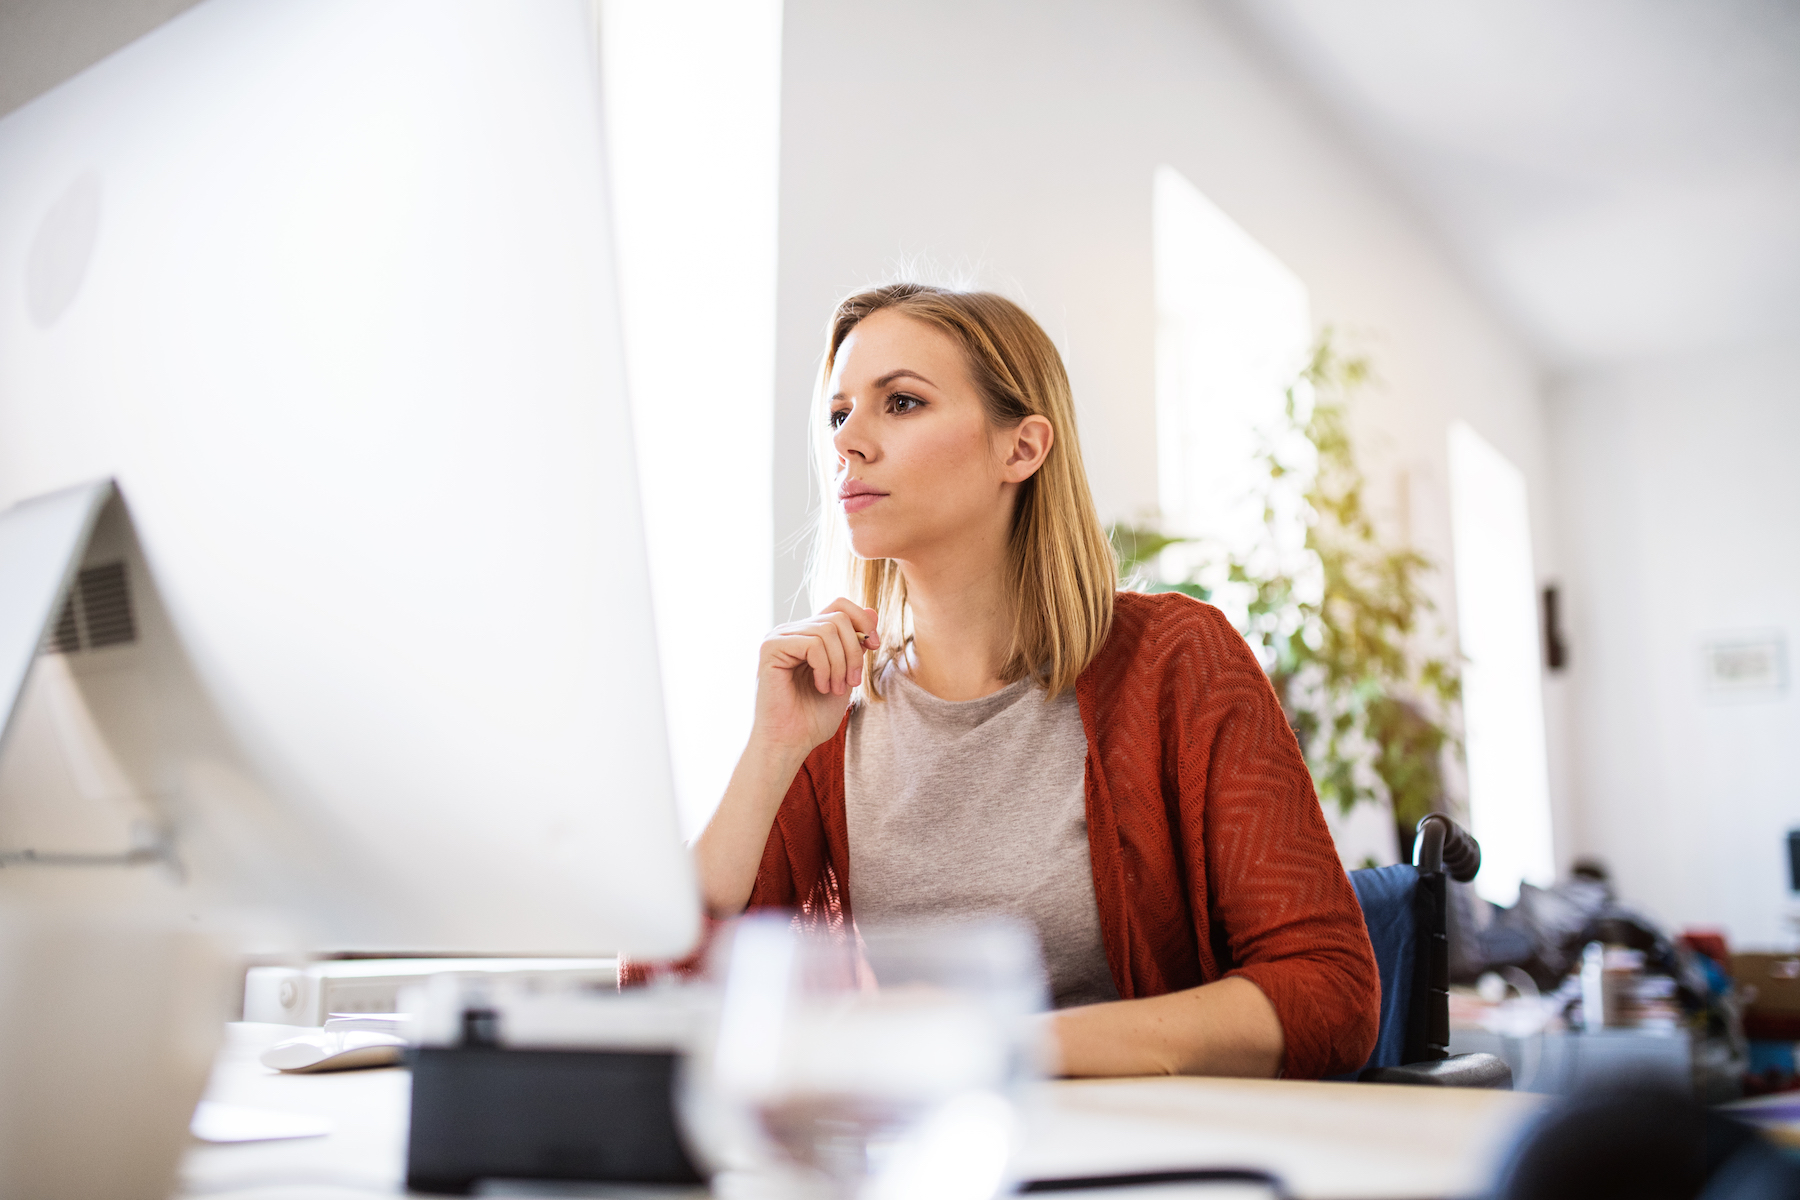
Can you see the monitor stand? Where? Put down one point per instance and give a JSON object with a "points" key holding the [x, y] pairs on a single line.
{"points": [[115, 994], [73, 609]]}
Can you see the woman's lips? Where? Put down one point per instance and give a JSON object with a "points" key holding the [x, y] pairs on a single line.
{"points": [[857, 501], [856, 496]]}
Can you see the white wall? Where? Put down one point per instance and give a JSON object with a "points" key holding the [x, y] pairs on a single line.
{"points": [[1018, 141], [1681, 489]]}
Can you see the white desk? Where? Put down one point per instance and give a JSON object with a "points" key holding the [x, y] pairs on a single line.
{"points": [[1329, 1141]]}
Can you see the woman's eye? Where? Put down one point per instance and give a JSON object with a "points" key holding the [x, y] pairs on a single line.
{"points": [[903, 403], [837, 417]]}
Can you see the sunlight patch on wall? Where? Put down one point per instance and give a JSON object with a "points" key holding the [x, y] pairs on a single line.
{"points": [[1503, 704]]}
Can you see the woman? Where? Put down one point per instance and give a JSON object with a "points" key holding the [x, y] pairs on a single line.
{"points": [[1112, 766]]}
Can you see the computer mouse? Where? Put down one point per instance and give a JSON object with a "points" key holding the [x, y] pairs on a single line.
{"points": [[334, 1050]]}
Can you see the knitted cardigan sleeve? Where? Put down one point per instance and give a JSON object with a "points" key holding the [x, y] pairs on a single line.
{"points": [[1265, 881], [805, 863]]}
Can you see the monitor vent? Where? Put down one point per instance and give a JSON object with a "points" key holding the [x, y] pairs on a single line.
{"points": [[97, 614], [65, 638]]}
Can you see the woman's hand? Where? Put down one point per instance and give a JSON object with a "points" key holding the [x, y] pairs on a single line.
{"points": [[804, 676], [803, 681]]}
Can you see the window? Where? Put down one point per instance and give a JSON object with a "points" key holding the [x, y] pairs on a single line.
{"points": [[1233, 329], [693, 101], [1503, 705]]}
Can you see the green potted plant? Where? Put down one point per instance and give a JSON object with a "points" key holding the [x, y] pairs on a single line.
{"points": [[1338, 631]]}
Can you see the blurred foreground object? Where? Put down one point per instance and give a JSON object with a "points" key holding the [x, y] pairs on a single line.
{"points": [[878, 1062], [1644, 1140]]}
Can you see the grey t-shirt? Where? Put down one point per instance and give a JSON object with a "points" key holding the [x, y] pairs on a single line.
{"points": [[961, 808]]}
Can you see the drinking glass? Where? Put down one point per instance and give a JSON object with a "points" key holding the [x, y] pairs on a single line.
{"points": [[870, 1064]]}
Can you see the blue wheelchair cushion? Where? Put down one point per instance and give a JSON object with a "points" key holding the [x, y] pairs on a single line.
{"points": [[1386, 896]]}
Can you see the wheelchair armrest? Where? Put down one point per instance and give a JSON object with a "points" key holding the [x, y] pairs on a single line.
{"points": [[1459, 1070]]}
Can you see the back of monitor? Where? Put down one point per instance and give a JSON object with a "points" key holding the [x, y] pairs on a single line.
{"points": [[326, 288]]}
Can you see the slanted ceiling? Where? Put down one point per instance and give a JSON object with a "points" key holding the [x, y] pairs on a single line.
{"points": [[1621, 177]]}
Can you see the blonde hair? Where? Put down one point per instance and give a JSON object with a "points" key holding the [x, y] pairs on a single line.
{"points": [[1061, 572]]}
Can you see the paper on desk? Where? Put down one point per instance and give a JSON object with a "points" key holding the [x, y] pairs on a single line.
{"points": [[215, 1122]]}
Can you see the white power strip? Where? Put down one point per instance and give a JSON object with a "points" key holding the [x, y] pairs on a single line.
{"points": [[308, 995]]}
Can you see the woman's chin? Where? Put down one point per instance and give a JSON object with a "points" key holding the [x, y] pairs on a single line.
{"points": [[866, 544]]}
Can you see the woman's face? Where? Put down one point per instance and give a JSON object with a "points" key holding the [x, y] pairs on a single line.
{"points": [[919, 467]]}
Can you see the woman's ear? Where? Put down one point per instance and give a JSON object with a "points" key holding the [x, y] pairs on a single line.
{"points": [[1024, 448]]}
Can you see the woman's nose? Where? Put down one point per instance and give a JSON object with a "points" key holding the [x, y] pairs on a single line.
{"points": [[850, 440]]}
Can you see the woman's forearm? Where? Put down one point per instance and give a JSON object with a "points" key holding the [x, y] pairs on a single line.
{"points": [[730, 848], [1223, 1028]]}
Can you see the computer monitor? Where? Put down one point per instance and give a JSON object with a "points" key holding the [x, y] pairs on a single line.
{"points": [[327, 288]]}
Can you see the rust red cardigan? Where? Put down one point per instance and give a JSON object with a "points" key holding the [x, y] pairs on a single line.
{"points": [[1210, 854]]}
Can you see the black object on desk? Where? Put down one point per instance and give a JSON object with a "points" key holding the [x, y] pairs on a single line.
{"points": [[1228, 1176], [482, 1111]]}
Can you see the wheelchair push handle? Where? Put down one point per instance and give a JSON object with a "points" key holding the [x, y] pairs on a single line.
{"points": [[1443, 845]]}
